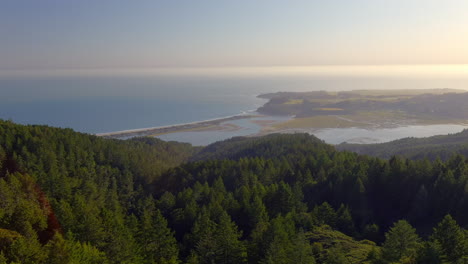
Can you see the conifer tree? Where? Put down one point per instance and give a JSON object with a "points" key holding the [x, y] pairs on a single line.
{"points": [[229, 249], [451, 239], [400, 241], [344, 221], [157, 240]]}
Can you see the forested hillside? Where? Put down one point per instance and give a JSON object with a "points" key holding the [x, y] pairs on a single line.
{"points": [[443, 147], [68, 197]]}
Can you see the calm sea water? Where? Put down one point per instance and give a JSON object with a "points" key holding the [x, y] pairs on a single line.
{"points": [[96, 104], [366, 136]]}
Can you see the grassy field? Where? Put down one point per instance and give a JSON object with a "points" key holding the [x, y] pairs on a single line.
{"points": [[294, 101], [360, 95], [406, 92]]}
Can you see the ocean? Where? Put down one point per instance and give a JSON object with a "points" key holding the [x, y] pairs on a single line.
{"points": [[113, 102], [104, 104]]}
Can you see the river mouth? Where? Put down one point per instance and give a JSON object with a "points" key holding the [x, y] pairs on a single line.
{"points": [[250, 126], [260, 125]]}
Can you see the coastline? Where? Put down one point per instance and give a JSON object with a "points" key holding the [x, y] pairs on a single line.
{"points": [[140, 132]]}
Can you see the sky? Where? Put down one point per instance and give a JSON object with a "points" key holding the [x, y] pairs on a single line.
{"points": [[102, 34]]}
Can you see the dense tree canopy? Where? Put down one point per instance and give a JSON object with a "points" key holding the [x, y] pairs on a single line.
{"points": [[68, 197]]}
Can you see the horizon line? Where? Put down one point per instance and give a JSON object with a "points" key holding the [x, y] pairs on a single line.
{"points": [[332, 69]]}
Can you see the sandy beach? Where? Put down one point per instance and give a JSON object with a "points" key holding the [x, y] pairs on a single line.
{"points": [[198, 125]]}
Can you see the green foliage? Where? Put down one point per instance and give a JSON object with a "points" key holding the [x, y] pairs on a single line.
{"points": [[429, 253], [58, 250], [54, 180], [451, 239], [157, 240], [74, 198], [325, 214], [26, 250], [287, 246], [22, 218], [344, 221], [328, 243], [217, 240], [401, 242], [336, 255], [86, 253], [279, 246]]}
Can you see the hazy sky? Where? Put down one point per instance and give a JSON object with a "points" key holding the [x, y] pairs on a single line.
{"points": [[48, 34]]}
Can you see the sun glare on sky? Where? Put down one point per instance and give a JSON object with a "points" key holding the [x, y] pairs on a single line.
{"points": [[124, 34]]}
